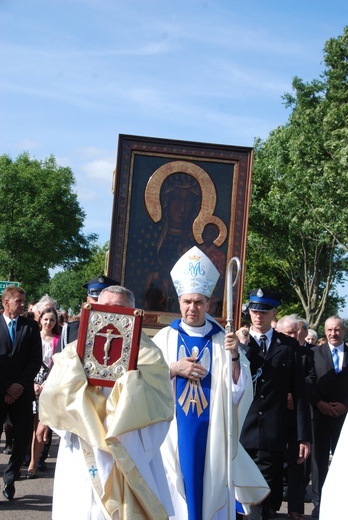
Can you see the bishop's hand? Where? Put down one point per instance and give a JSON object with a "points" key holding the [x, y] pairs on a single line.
{"points": [[187, 368]]}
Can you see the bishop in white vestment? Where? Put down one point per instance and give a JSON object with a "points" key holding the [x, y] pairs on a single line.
{"points": [[195, 449]]}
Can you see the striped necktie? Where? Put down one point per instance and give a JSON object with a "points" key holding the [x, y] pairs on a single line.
{"points": [[12, 330], [335, 360]]}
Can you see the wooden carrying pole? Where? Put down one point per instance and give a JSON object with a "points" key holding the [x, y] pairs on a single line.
{"points": [[231, 282]]}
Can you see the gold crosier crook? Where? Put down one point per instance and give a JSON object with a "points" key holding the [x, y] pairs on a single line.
{"points": [[208, 203]]}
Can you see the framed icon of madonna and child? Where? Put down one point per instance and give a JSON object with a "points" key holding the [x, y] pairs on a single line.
{"points": [[169, 196]]}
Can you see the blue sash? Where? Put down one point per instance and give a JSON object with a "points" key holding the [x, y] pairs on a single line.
{"points": [[192, 413]]}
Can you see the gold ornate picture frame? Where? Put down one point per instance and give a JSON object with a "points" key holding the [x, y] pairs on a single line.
{"points": [[169, 196]]}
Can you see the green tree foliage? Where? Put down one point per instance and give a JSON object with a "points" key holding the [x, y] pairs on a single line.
{"points": [[40, 221], [299, 211], [66, 286]]}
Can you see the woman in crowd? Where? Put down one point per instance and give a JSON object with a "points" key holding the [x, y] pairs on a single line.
{"points": [[50, 331]]}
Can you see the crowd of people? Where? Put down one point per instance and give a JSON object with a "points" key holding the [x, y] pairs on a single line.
{"points": [[44, 313], [155, 444], [52, 322], [326, 383]]}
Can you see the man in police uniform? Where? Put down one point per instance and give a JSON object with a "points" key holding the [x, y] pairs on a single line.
{"points": [[94, 288], [276, 368]]}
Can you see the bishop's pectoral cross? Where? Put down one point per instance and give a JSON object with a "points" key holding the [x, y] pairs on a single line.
{"points": [[109, 337]]}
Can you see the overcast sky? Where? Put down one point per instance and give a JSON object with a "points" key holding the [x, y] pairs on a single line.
{"points": [[77, 73]]}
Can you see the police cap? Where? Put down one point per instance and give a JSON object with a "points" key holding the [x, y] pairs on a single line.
{"points": [[96, 285], [263, 300]]}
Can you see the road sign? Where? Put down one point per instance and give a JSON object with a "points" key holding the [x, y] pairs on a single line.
{"points": [[3, 285]]}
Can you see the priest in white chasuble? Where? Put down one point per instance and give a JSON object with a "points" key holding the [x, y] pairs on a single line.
{"points": [[109, 465]]}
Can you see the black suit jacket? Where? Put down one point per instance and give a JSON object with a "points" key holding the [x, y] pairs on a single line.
{"points": [[308, 366], [21, 362], [274, 376], [330, 387]]}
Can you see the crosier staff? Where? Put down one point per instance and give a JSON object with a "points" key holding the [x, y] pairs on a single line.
{"points": [[231, 282]]}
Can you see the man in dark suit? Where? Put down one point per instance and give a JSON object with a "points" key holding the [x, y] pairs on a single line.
{"points": [[296, 476], [20, 361], [276, 368], [329, 398]]}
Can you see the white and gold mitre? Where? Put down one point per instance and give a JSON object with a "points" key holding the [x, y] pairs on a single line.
{"points": [[194, 273]]}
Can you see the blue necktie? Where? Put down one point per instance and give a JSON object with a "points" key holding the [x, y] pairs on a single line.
{"points": [[335, 359], [12, 331]]}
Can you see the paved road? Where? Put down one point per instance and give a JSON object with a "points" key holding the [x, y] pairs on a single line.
{"points": [[33, 498]]}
